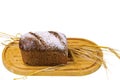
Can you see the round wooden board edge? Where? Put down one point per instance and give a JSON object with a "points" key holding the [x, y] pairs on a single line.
{"points": [[49, 74]]}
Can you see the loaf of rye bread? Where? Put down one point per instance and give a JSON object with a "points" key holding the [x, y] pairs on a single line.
{"points": [[43, 48]]}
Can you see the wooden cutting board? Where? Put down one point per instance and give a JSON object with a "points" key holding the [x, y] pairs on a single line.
{"points": [[12, 60]]}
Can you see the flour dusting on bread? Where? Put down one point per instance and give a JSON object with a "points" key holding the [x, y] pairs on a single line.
{"points": [[46, 40]]}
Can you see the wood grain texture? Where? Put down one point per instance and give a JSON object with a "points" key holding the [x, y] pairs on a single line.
{"points": [[12, 60]]}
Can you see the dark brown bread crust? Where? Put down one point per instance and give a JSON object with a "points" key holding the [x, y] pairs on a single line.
{"points": [[46, 58], [33, 54], [27, 42]]}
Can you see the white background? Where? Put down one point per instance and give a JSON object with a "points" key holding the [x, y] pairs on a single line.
{"points": [[96, 20]]}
